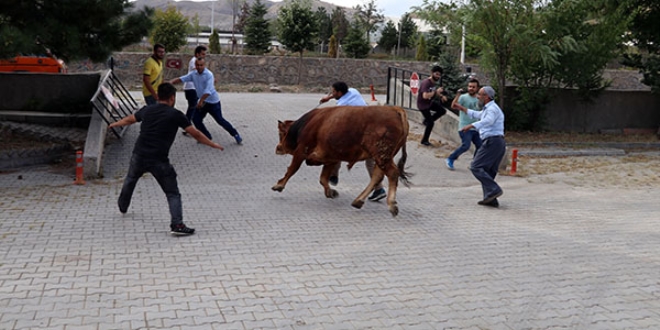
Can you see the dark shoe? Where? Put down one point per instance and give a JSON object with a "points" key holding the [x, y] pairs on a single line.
{"points": [[181, 230], [494, 203], [238, 138], [489, 199], [333, 180], [122, 208], [378, 195], [425, 143]]}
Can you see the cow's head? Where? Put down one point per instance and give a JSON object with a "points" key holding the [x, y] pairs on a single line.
{"points": [[283, 128]]}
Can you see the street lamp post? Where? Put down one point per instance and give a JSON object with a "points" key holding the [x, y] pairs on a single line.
{"points": [[398, 43]]}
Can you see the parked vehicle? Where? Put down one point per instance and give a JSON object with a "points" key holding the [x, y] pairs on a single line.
{"points": [[38, 64]]}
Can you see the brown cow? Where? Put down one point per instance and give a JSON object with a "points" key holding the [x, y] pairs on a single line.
{"points": [[328, 136]]}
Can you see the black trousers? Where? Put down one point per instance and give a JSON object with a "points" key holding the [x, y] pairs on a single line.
{"points": [[430, 116]]}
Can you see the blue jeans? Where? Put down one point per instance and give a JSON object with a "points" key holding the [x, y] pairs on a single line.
{"points": [[486, 162], [216, 112], [149, 100], [467, 138], [165, 175], [191, 97]]}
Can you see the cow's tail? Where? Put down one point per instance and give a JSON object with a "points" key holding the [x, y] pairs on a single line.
{"points": [[404, 176]]}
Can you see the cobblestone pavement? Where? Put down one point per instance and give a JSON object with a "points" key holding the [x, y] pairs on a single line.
{"points": [[553, 256]]}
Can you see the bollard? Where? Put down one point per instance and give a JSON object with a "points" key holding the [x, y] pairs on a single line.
{"points": [[79, 168], [373, 94], [514, 161]]}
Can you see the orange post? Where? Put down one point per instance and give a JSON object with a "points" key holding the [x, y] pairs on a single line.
{"points": [[514, 161], [373, 94], [79, 168]]}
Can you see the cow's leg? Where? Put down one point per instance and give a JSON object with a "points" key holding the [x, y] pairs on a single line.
{"points": [[327, 170], [376, 177], [392, 173], [290, 171]]}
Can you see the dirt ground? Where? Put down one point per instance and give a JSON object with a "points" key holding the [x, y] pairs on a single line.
{"points": [[636, 168]]}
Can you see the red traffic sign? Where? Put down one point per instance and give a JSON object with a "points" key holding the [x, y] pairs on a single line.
{"points": [[414, 83]]}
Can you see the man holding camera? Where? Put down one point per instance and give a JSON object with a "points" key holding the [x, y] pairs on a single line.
{"points": [[429, 101]]}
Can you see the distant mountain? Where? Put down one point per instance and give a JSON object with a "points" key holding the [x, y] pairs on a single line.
{"points": [[222, 8]]}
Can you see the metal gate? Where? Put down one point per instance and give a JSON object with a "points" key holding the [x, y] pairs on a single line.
{"points": [[113, 102]]}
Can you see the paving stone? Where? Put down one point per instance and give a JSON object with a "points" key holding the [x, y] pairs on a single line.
{"points": [[550, 257]]}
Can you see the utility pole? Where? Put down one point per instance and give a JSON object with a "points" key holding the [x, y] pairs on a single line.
{"points": [[463, 46], [212, 14]]}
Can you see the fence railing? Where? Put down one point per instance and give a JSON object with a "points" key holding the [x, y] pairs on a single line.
{"points": [[113, 101], [398, 88]]}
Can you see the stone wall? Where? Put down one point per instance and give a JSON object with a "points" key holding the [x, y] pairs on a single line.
{"points": [[246, 69]]}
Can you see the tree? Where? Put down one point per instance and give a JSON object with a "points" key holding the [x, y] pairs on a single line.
{"points": [[332, 47], [408, 30], [369, 17], [214, 43], [325, 25], [235, 8], [35, 26], [257, 32], [643, 30], [297, 28], [421, 54], [388, 37], [355, 43], [340, 24], [243, 17], [170, 29], [435, 44]]}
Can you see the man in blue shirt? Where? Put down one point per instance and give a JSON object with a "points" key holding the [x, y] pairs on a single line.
{"points": [[351, 97], [209, 100], [487, 160]]}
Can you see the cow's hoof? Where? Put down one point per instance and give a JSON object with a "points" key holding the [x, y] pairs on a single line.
{"points": [[394, 209], [331, 193], [357, 204], [277, 188]]}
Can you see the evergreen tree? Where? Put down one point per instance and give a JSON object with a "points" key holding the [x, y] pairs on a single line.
{"points": [[214, 43], [325, 25], [71, 29], [355, 43], [332, 47], [340, 24], [257, 32], [435, 44], [408, 31], [422, 54], [388, 37], [170, 29]]}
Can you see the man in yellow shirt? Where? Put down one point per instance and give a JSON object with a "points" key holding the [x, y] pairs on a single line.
{"points": [[153, 74]]}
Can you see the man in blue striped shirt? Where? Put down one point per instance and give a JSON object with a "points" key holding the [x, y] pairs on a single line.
{"points": [[487, 160]]}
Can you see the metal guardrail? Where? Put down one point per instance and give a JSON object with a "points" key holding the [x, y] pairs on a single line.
{"points": [[400, 94], [113, 101]]}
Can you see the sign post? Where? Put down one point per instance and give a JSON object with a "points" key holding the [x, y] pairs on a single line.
{"points": [[414, 83]]}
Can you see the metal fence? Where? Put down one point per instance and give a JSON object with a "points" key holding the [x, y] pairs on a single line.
{"points": [[113, 101], [398, 88]]}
